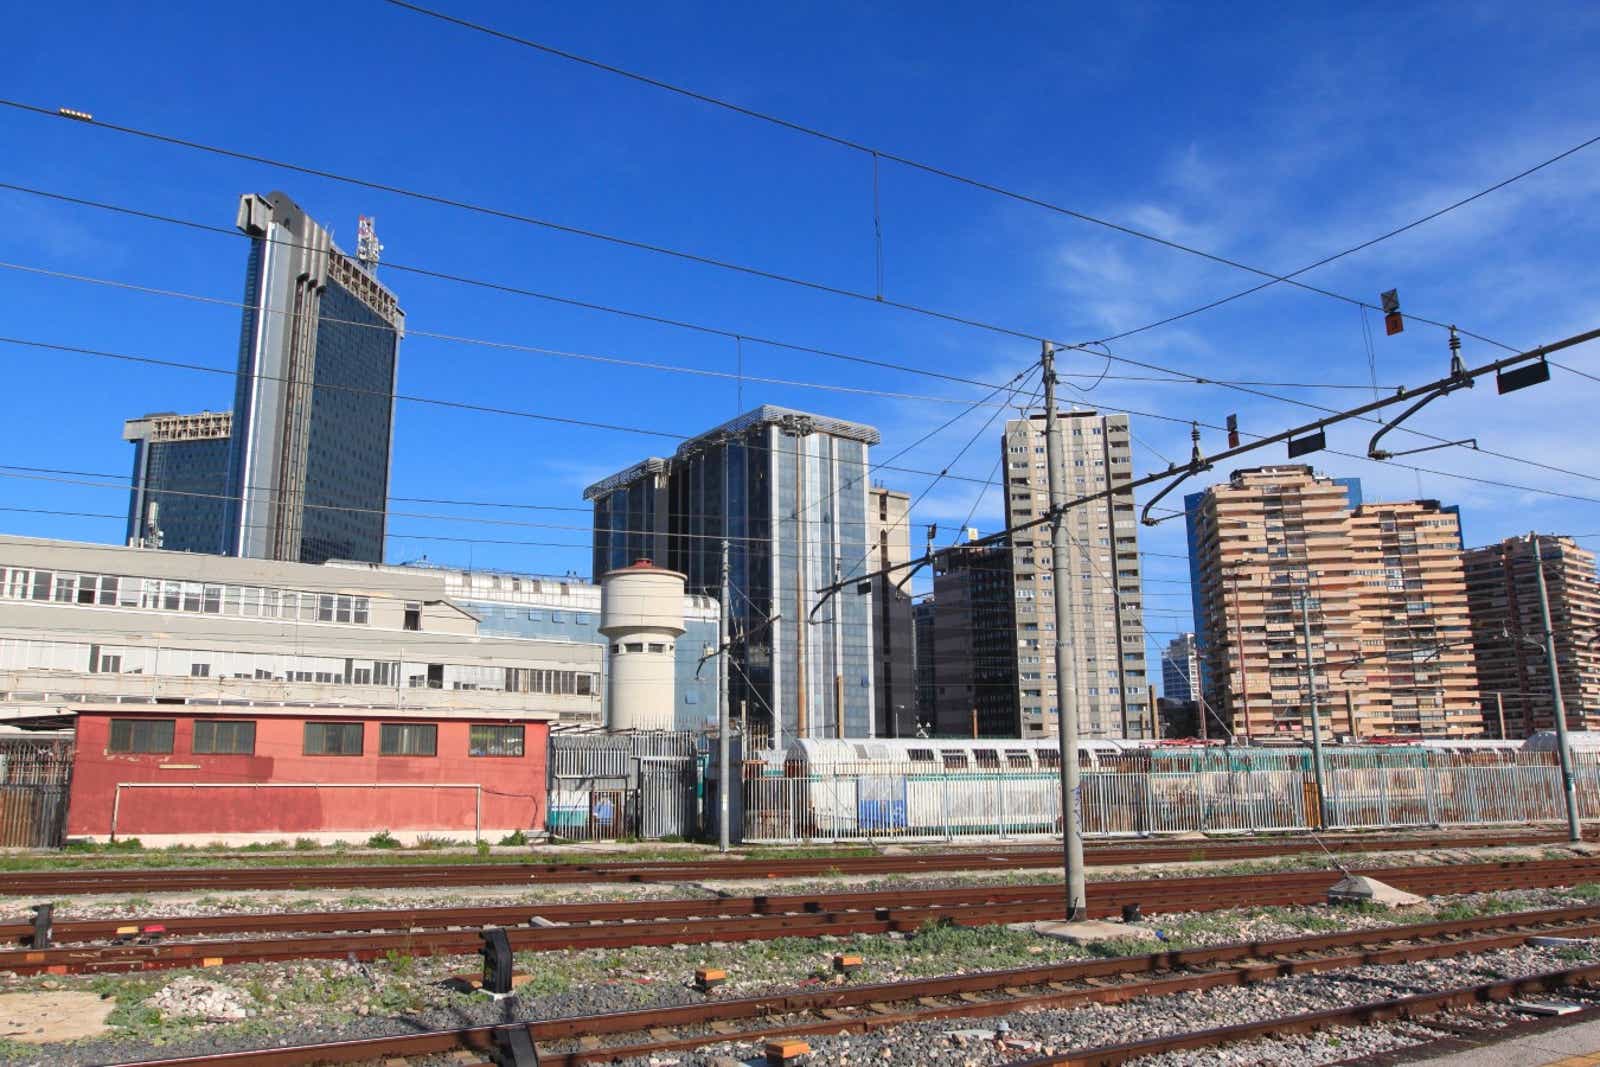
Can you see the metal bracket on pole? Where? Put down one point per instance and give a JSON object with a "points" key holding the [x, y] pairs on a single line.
{"points": [[1197, 465], [1459, 379], [1465, 442]]}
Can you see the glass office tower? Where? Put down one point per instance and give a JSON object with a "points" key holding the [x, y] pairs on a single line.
{"points": [[789, 492], [180, 480], [313, 416]]}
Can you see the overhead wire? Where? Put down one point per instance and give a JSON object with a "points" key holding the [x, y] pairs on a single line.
{"points": [[738, 336], [512, 216], [877, 152], [570, 421]]}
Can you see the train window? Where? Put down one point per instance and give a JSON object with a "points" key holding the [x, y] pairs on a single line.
{"points": [[986, 757], [920, 755], [954, 760], [1018, 757], [1049, 757]]}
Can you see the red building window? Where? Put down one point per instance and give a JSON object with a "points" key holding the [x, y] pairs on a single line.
{"points": [[333, 739], [224, 737], [408, 739], [141, 735], [484, 740]]}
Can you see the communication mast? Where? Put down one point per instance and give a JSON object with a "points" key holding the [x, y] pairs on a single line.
{"points": [[367, 245]]}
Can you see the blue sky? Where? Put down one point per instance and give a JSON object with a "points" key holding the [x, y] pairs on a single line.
{"points": [[1268, 133]]}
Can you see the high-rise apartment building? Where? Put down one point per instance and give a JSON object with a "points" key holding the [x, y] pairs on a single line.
{"points": [[972, 664], [313, 412], [894, 682], [180, 480], [1277, 551], [1180, 669], [1508, 633], [789, 491], [1110, 683]]}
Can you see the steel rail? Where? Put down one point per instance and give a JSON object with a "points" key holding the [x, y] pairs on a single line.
{"points": [[125, 880], [1421, 1004], [1241, 963], [630, 923], [73, 931]]}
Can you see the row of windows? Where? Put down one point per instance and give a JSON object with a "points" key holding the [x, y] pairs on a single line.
{"points": [[167, 594], [640, 646], [237, 737]]}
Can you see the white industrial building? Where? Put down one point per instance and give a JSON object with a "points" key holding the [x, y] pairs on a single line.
{"points": [[88, 623]]}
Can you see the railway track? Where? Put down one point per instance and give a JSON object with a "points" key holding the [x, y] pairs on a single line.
{"points": [[569, 1042], [543, 928], [158, 880]]}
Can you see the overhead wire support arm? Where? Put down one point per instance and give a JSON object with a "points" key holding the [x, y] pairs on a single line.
{"points": [[1459, 379], [1537, 355], [1197, 465]]}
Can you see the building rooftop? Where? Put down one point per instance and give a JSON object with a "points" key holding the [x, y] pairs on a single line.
{"points": [[766, 414]]}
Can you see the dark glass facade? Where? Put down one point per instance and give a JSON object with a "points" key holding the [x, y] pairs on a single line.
{"points": [[347, 448], [185, 483], [972, 666], [308, 471], [790, 496]]}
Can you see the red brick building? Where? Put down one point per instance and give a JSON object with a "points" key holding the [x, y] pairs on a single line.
{"points": [[171, 774]]}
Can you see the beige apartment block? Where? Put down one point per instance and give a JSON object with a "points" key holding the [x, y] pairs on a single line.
{"points": [[1415, 668], [1279, 550], [1503, 597], [1109, 674]]}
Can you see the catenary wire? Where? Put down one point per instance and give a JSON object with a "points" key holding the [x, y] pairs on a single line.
{"points": [[570, 421], [878, 153], [510, 216], [730, 334]]}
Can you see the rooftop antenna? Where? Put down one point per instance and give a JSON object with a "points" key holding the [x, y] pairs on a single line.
{"points": [[367, 245]]}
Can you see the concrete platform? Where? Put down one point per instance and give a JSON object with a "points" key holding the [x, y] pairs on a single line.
{"points": [[1090, 931], [1576, 1045]]}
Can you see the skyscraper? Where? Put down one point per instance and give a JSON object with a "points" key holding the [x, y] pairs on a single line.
{"points": [[973, 662], [180, 480], [1278, 550], [1508, 633], [1111, 687], [789, 491], [313, 412], [1180, 669]]}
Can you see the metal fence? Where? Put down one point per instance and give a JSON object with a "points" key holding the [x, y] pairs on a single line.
{"points": [[605, 787], [1212, 793], [35, 777]]}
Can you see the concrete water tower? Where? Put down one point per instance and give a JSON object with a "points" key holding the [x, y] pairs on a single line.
{"points": [[641, 615]]}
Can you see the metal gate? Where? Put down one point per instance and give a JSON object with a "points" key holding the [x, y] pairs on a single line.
{"points": [[35, 777], [668, 806]]}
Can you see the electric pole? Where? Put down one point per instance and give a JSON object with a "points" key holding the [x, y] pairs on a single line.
{"points": [[1066, 712], [1316, 716], [1557, 704], [724, 771]]}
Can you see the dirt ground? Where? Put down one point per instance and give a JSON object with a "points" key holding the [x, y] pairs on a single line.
{"points": [[41, 1018]]}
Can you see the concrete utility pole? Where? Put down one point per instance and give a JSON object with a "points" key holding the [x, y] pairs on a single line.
{"points": [[1559, 707], [1316, 715], [1500, 710], [724, 772], [1066, 713]]}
